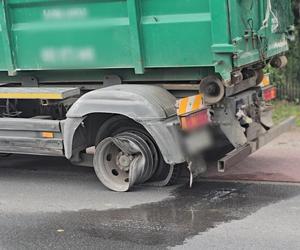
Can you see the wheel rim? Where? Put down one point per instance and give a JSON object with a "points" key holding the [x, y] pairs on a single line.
{"points": [[125, 160]]}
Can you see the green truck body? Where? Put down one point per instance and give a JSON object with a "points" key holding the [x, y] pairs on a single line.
{"points": [[195, 37]]}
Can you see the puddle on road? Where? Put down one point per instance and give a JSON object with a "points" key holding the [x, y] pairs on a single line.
{"points": [[157, 225], [192, 211]]}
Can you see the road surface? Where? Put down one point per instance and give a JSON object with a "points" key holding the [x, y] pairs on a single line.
{"points": [[45, 203]]}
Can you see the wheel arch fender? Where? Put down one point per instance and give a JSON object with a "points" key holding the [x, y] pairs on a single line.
{"points": [[151, 106]]}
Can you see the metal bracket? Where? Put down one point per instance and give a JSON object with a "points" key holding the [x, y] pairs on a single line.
{"points": [[110, 80], [29, 81], [234, 157], [240, 87]]}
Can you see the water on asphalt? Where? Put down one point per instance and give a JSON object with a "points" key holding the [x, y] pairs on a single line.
{"points": [[45, 203], [157, 225]]}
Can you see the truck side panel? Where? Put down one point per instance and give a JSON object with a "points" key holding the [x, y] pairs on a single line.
{"points": [[47, 35]]}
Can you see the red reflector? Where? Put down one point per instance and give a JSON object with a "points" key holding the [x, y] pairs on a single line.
{"points": [[195, 120], [269, 94]]}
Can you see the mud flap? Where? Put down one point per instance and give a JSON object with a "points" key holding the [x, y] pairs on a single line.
{"points": [[196, 167]]}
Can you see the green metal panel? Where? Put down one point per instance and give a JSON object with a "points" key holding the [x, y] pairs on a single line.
{"points": [[144, 36], [7, 51], [252, 40]]}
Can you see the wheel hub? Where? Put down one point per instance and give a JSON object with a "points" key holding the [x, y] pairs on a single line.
{"points": [[124, 160]]}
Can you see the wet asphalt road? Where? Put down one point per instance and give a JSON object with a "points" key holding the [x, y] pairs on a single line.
{"points": [[46, 203]]}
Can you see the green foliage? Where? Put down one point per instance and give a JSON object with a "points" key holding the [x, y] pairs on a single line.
{"points": [[288, 79], [283, 110]]}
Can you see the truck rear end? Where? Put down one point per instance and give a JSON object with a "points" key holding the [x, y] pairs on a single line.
{"points": [[148, 86]]}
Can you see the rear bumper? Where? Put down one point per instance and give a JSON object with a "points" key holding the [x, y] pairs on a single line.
{"points": [[274, 132], [237, 155]]}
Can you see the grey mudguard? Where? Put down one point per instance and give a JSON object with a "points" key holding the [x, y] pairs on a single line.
{"points": [[151, 106], [139, 102]]}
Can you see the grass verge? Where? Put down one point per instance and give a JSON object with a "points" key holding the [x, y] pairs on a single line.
{"points": [[283, 110]]}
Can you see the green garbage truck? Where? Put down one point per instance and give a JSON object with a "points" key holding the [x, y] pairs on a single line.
{"points": [[139, 89]]}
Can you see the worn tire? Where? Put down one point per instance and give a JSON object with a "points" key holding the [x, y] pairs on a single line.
{"points": [[119, 124]]}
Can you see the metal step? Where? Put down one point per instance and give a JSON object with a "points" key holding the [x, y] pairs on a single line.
{"points": [[31, 136], [38, 93]]}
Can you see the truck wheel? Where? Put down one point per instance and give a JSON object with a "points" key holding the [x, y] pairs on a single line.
{"points": [[126, 155]]}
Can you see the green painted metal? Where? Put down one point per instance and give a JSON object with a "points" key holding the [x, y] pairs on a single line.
{"points": [[253, 42], [140, 39], [134, 16], [8, 49]]}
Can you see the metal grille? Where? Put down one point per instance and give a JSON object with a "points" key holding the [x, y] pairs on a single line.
{"points": [[288, 81]]}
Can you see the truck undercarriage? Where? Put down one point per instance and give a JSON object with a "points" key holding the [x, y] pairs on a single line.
{"points": [[137, 136]]}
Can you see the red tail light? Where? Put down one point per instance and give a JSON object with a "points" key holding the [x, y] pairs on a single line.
{"points": [[195, 120], [269, 93]]}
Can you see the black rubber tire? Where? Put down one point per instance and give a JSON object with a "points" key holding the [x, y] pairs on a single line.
{"points": [[120, 124], [116, 125], [176, 175]]}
